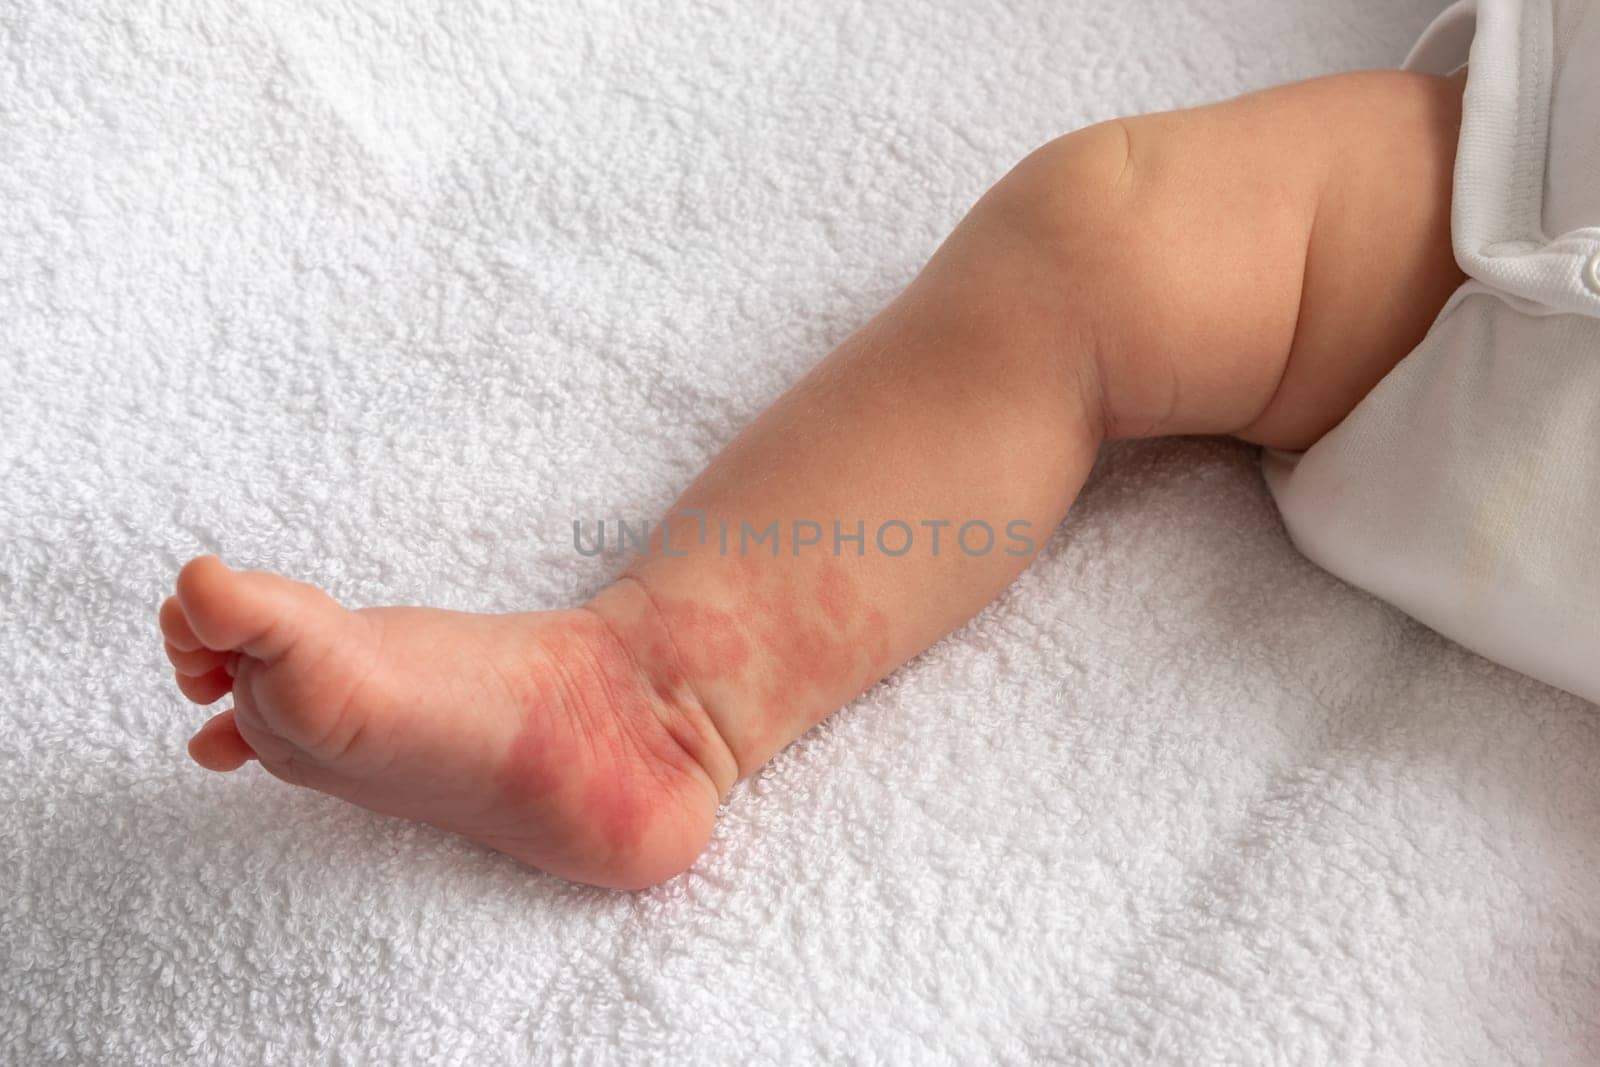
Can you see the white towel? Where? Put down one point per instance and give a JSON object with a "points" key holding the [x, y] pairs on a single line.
{"points": [[383, 294]]}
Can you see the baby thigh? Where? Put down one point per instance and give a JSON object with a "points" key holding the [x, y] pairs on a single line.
{"points": [[1272, 256]]}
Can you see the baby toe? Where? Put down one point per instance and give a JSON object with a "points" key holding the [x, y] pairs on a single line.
{"points": [[262, 614], [175, 626], [196, 662], [206, 688], [217, 746]]}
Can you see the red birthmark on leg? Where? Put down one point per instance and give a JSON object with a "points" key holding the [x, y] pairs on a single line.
{"points": [[814, 665], [796, 640], [836, 592], [681, 640], [819, 654], [712, 647]]}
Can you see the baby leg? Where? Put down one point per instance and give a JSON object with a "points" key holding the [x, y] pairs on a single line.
{"points": [[1252, 267]]}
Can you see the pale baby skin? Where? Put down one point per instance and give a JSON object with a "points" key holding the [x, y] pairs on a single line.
{"points": [[1251, 267]]}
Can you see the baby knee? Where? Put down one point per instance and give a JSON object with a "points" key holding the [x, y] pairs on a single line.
{"points": [[1058, 224], [1175, 250], [1027, 279], [1063, 189]]}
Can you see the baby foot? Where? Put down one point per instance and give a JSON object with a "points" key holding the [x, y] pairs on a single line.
{"points": [[558, 738]]}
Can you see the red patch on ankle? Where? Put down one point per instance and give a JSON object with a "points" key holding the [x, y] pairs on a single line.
{"points": [[817, 659], [712, 647], [794, 638], [837, 594]]}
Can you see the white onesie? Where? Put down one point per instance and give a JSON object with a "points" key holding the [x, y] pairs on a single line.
{"points": [[1465, 488]]}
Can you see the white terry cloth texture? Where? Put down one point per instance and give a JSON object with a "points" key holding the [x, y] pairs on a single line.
{"points": [[1465, 488], [384, 294]]}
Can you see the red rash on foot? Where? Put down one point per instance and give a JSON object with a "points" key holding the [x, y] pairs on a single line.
{"points": [[538, 759], [620, 809], [584, 736]]}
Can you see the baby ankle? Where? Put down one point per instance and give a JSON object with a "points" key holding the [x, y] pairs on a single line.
{"points": [[636, 623]]}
